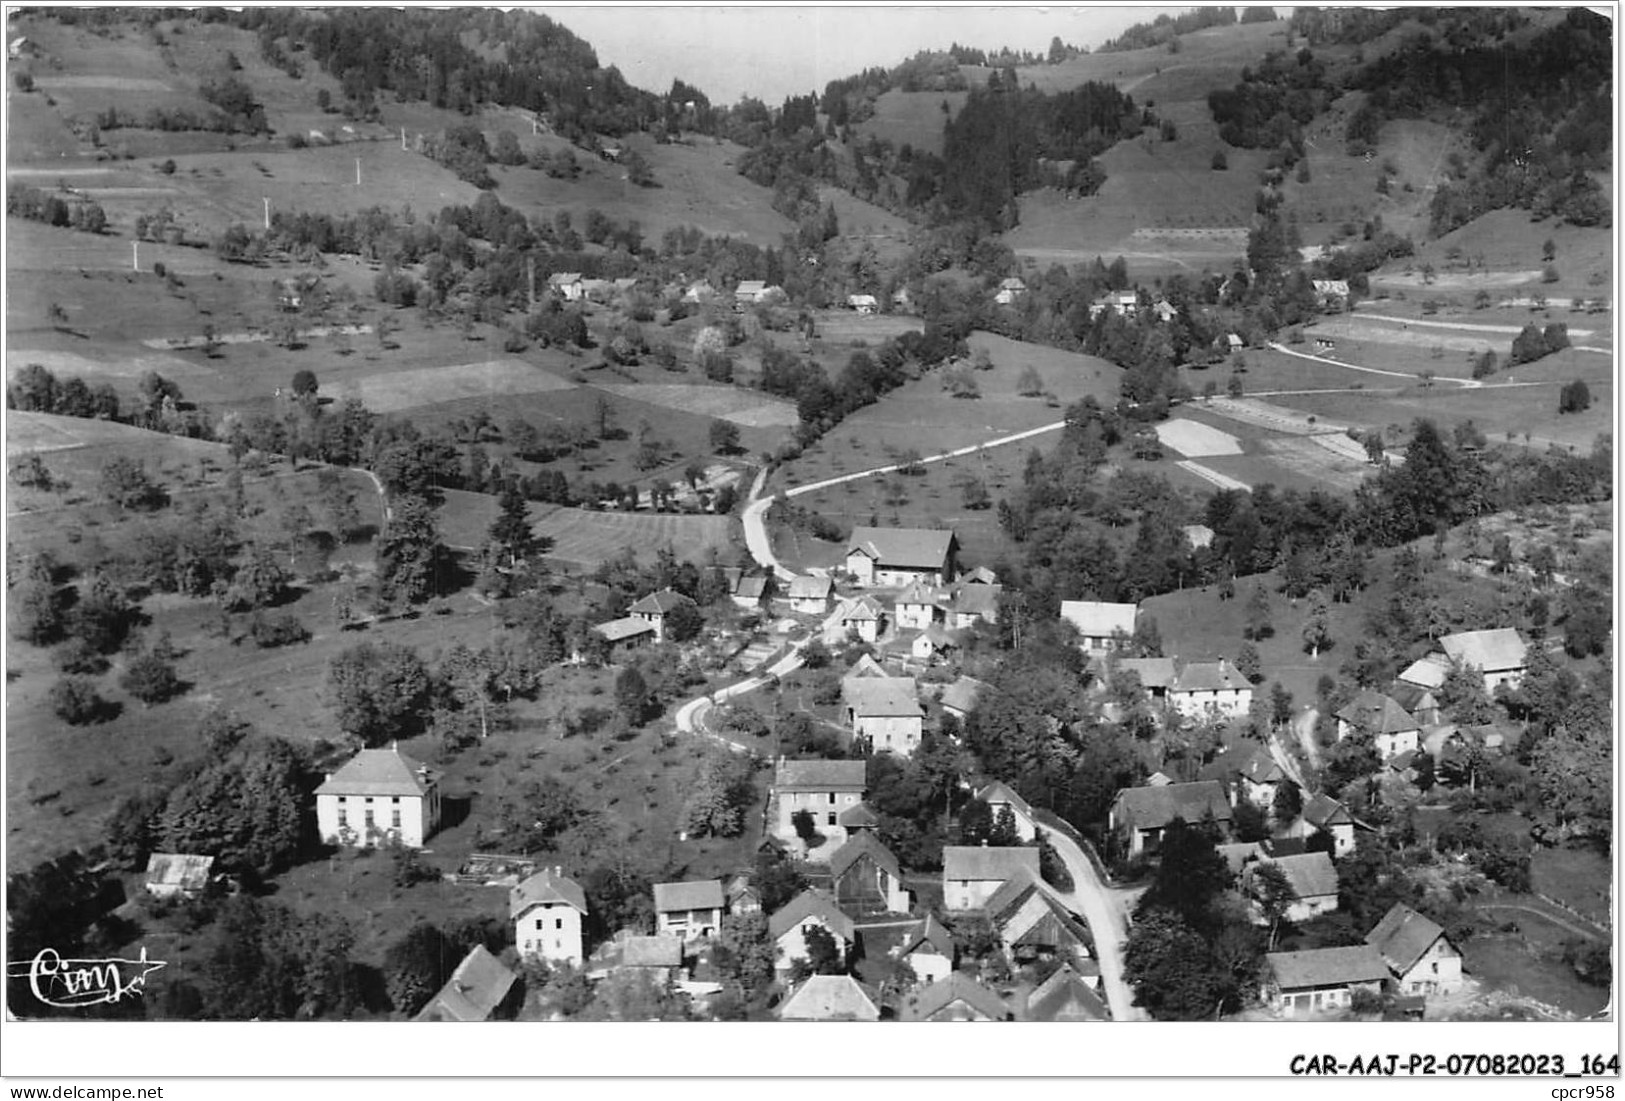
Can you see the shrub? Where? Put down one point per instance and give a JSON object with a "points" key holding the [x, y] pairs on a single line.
{"points": [[76, 702], [1220, 162], [283, 631], [1574, 398], [151, 679]]}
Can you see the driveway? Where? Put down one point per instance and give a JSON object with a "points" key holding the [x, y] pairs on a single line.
{"points": [[1106, 910]]}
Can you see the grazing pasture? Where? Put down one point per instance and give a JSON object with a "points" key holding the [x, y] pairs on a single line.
{"points": [[583, 539], [741, 407], [1194, 439], [391, 392], [912, 118]]}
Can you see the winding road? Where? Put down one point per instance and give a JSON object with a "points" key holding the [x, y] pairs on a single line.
{"points": [[1106, 911]]}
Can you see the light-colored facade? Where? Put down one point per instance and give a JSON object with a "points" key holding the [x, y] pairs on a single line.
{"points": [[380, 796], [547, 911]]}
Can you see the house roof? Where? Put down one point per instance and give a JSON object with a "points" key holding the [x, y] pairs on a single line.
{"points": [[865, 666], [1321, 810], [1427, 672], [1155, 807], [751, 286], [962, 694], [1488, 651], [619, 630], [1311, 875], [1099, 619], [1153, 672], [912, 548], [661, 602], [810, 586], [1412, 697], [857, 817], [919, 592], [930, 934], [1331, 286], [662, 951], [957, 987], [883, 697], [547, 887], [860, 300], [1238, 853], [980, 599], [1065, 996], [829, 998], [751, 588], [861, 844], [1263, 768], [1012, 283], [819, 774], [1326, 967], [740, 887], [863, 608], [984, 862], [1377, 713], [1402, 937], [695, 894], [560, 278], [187, 871], [980, 575], [938, 636], [1000, 792], [379, 772], [1209, 676], [478, 985], [811, 903]]}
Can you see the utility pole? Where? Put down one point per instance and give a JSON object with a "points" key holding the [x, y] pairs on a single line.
{"points": [[530, 280], [358, 171], [403, 138], [267, 212], [135, 255]]}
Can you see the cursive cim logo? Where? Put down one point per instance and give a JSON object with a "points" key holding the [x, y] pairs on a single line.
{"points": [[70, 984]]}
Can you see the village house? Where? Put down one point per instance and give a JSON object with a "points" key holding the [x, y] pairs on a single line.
{"points": [[969, 604], [863, 303], [933, 642], [1104, 627], [1419, 702], [929, 950], [822, 788], [829, 998], [1332, 293], [1215, 687], [1392, 730], [1032, 924], [1009, 290], [699, 292], [567, 284], [972, 874], [898, 556], [959, 697], [1320, 979], [1258, 776], [1238, 854], [751, 592], [654, 608], [956, 998], [866, 877], [1323, 814], [1416, 950], [1313, 880], [886, 711], [866, 667], [1165, 310], [690, 909], [1154, 674], [751, 292], [547, 911], [597, 290], [788, 926], [1121, 303], [379, 796], [1065, 996], [858, 820], [482, 988], [1499, 655], [811, 594], [1000, 796], [621, 636], [864, 617], [915, 608], [741, 895], [660, 957], [1140, 815], [1199, 536], [171, 875]]}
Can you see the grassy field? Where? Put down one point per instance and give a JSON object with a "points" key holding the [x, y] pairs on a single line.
{"points": [[912, 118], [1520, 963], [1343, 188], [729, 403], [492, 381]]}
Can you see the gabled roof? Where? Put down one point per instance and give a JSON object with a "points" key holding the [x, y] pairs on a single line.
{"points": [[186, 871], [859, 845], [883, 697], [740, 887], [662, 951], [751, 286], [829, 998], [860, 300], [751, 588], [980, 599], [1099, 619], [1000, 792], [1238, 854], [1153, 672], [1209, 676], [379, 772], [1427, 672], [911, 548], [546, 888], [957, 987], [660, 603], [858, 817], [862, 609], [962, 694], [1154, 807], [1311, 875], [697, 894], [819, 774], [1373, 711], [931, 935], [938, 636], [1065, 996], [810, 586], [1331, 286], [1412, 697], [919, 592], [981, 575], [1488, 651], [1322, 810], [985, 862], [560, 278], [1402, 937], [811, 903], [1012, 283], [865, 666], [1327, 967], [480, 984], [619, 630]]}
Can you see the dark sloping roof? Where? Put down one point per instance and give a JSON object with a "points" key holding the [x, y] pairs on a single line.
{"points": [[660, 603], [1000, 792], [1403, 936], [856, 848], [1209, 676], [1011, 894], [957, 987], [932, 935], [863, 608], [751, 588], [1065, 996], [911, 548], [984, 862], [919, 592], [882, 697], [1377, 713], [1321, 810], [480, 984], [818, 774], [829, 998], [978, 599], [1327, 967], [962, 694], [378, 772], [810, 587], [697, 894], [1237, 854], [1153, 672], [1311, 875], [618, 630], [546, 887], [811, 903], [858, 817], [1155, 807]]}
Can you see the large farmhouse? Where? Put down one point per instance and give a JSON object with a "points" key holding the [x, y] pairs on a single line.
{"points": [[379, 796], [899, 556]]}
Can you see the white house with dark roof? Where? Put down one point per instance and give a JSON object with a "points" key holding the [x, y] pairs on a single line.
{"points": [[567, 285], [690, 909], [379, 796], [623, 635], [885, 710], [863, 303], [1500, 655], [866, 877], [899, 556], [1009, 290], [1214, 687], [1419, 955], [654, 608], [1103, 626], [929, 950], [811, 594], [1000, 796], [1321, 979], [547, 911], [1312, 877], [822, 788], [864, 616], [1032, 924], [1142, 814], [917, 606], [971, 603], [1393, 730], [1323, 814], [788, 926], [935, 641], [972, 874]]}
